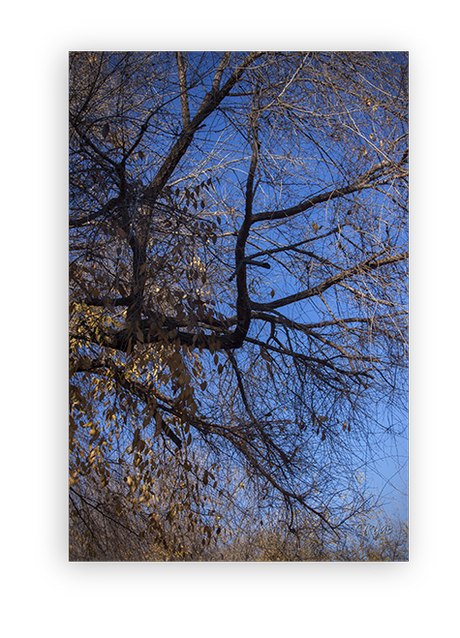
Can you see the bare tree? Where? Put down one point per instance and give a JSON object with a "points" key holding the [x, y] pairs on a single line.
{"points": [[238, 268]]}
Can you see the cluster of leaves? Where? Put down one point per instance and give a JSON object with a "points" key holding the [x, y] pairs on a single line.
{"points": [[104, 526]]}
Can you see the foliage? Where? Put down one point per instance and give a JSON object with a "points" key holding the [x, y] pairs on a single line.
{"points": [[238, 290]]}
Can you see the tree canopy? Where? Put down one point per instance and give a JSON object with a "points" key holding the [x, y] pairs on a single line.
{"points": [[238, 284]]}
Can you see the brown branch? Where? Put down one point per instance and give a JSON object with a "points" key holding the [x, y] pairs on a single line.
{"points": [[279, 249], [369, 264], [223, 64], [210, 102], [290, 496], [253, 125], [336, 322], [364, 181], [183, 89], [233, 435], [308, 359], [240, 385], [95, 507], [306, 329]]}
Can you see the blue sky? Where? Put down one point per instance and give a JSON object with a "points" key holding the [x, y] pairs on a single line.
{"points": [[235, 152]]}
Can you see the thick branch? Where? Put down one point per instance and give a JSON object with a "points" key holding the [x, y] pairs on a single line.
{"points": [[243, 309], [183, 89], [209, 104], [220, 70], [369, 264], [364, 181], [241, 386], [294, 247]]}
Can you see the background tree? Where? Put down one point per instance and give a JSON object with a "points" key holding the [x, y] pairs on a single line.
{"points": [[238, 278]]}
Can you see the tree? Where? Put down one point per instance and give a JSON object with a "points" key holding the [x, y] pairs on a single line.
{"points": [[238, 275]]}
